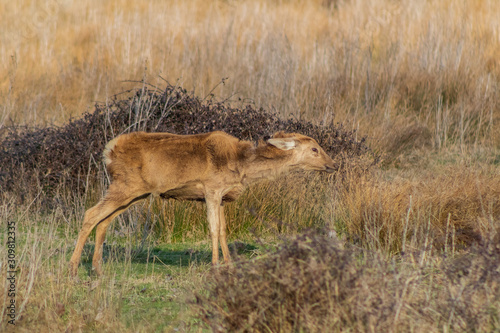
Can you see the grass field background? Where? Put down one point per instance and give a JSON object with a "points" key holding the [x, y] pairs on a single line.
{"points": [[419, 79]]}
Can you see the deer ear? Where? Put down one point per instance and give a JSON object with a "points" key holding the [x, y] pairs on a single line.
{"points": [[283, 143]]}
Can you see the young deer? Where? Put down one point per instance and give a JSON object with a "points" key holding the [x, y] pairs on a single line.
{"points": [[213, 167]]}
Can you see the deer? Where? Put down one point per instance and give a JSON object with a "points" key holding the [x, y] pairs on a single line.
{"points": [[212, 167]]}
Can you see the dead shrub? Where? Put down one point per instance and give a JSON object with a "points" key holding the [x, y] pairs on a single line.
{"points": [[311, 284], [70, 156], [471, 299], [308, 284]]}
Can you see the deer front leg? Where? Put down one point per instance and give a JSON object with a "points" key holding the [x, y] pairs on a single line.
{"points": [[222, 234], [213, 215]]}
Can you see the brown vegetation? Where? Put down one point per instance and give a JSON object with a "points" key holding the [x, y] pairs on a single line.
{"points": [[378, 67], [456, 206], [311, 283]]}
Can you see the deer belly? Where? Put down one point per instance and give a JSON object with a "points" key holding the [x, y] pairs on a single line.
{"points": [[193, 191]]}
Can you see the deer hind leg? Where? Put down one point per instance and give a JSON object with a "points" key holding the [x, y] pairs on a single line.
{"points": [[222, 235], [100, 234], [115, 202]]}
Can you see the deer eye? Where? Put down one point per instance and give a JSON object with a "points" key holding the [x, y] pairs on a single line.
{"points": [[315, 150]]}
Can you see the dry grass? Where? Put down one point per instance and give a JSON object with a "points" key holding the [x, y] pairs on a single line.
{"points": [[453, 207], [292, 205], [431, 64], [418, 250]]}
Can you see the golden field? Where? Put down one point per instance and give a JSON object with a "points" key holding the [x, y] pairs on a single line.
{"points": [[396, 64], [419, 79]]}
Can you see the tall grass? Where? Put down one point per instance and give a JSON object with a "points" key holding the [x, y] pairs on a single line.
{"points": [[396, 65], [269, 210], [452, 208]]}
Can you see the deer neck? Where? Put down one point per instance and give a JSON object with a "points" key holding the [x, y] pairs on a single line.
{"points": [[266, 162]]}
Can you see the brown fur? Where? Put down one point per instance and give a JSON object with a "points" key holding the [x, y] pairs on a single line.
{"points": [[213, 167]]}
